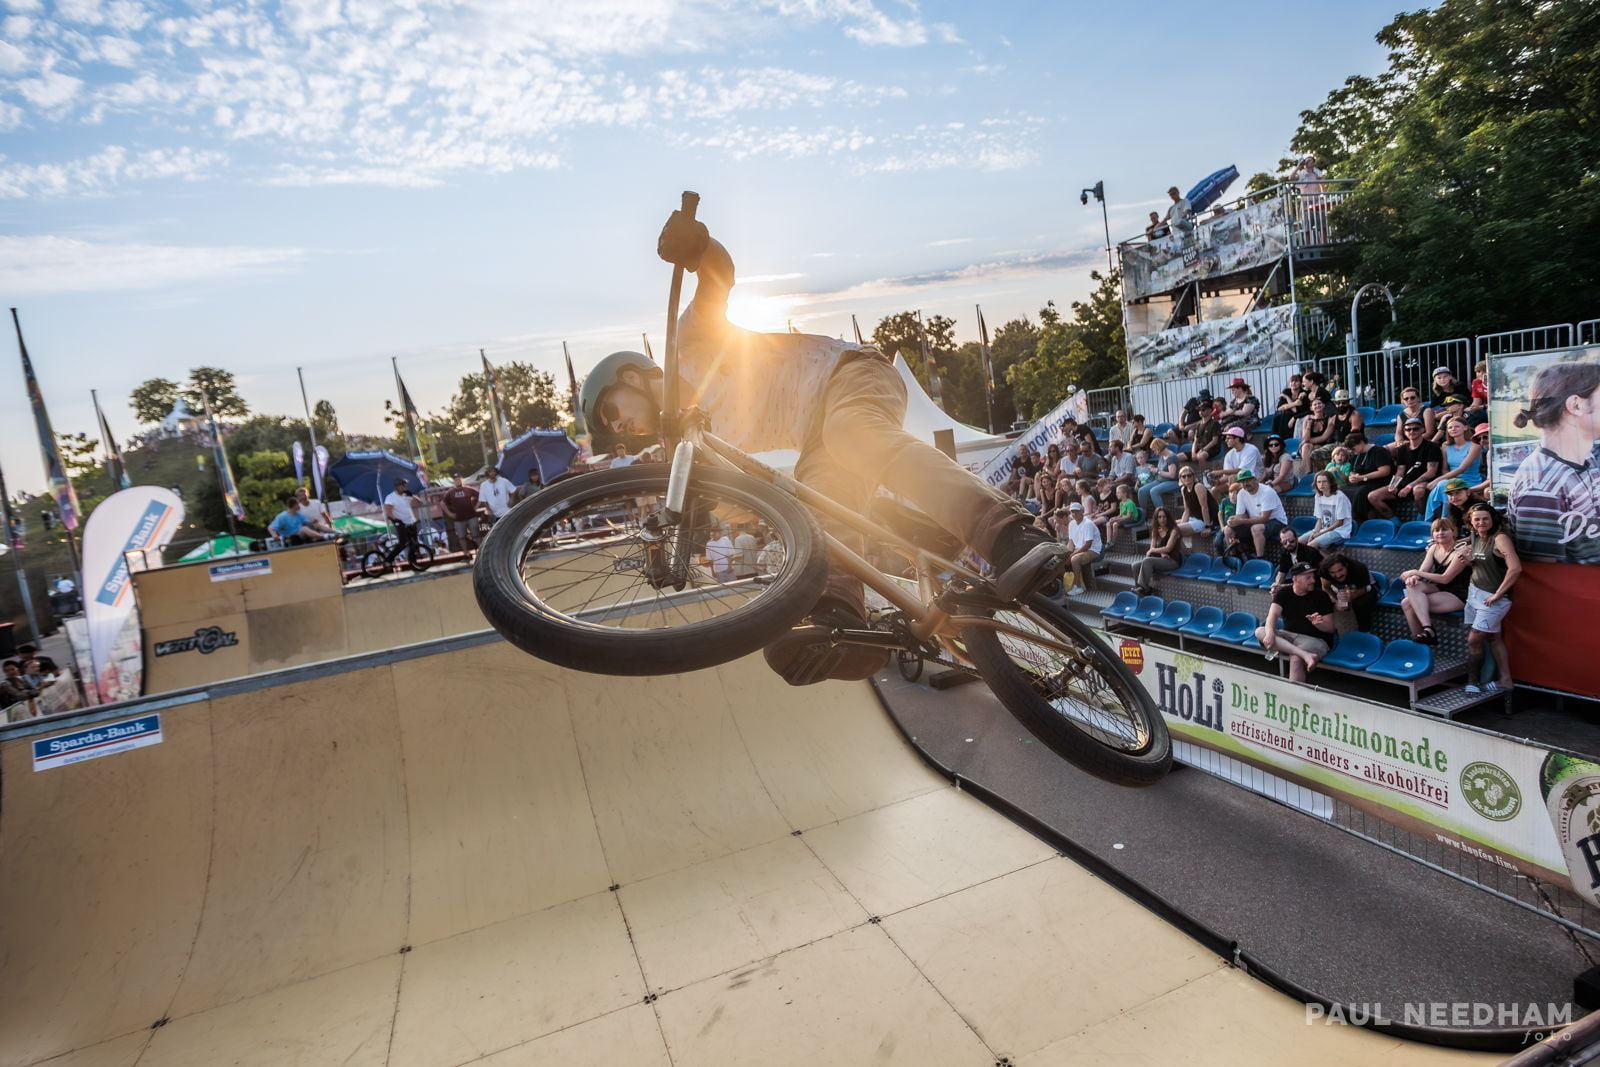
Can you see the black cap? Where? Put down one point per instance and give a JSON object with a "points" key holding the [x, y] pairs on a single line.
{"points": [[1302, 568]]}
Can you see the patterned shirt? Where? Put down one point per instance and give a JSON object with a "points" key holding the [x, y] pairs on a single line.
{"points": [[1554, 509]]}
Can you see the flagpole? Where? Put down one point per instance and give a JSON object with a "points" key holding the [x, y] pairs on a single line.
{"points": [[16, 561], [105, 442], [856, 326], [66, 498], [311, 431], [578, 425], [988, 364], [927, 362]]}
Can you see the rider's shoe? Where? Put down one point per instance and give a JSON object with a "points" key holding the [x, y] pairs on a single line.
{"points": [[1027, 559], [806, 655]]}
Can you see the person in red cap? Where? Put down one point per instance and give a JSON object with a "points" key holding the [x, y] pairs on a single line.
{"points": [[1244, 410]]}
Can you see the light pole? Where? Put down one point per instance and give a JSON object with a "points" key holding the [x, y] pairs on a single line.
{"points": [[1098, 191]]}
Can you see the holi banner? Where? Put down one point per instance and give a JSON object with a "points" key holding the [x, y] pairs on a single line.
{"points": [[1038, 437], [1252, 236], [1259, 339], [55, 471], [419, 443], [1473, 791]]}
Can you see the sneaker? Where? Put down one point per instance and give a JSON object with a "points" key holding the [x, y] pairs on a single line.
{"points": [[807, 655], [1491, 687], [1076, 590], [1027, 559], [1473, 688]]}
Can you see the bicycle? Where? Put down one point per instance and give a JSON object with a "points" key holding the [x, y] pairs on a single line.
{"points": [[381, 559], [610, 594]]}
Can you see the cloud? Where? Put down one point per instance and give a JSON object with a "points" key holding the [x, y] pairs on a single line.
{"points": [[757, 279], [1019, 266], [946, 241], [51, 264], [102, 171], [992, 145]]}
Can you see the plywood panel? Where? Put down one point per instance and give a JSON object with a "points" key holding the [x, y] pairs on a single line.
{"points": [[169, 596], [118, 1052], [305, 572], [389, 615], [291, 634], [102, 874], [455, 603], [310, 857], [500, 820], [194, 666], [626, 1038]]}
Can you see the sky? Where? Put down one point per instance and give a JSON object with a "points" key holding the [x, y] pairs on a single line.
{"points": [[330, 184]]}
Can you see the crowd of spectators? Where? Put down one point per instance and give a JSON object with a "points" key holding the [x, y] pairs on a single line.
{"points": [[26, 678]]}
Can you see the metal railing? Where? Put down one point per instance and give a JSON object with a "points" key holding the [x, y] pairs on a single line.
{"points": [[1377, 377], [1161, 402], [1511, 342], [1589, 332], [1310, 206], [1103, 404]]}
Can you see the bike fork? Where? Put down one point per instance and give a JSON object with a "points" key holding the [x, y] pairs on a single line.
{"points": [[668, 564]]}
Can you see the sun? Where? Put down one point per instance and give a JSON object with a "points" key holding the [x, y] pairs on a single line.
{"points": [[766, 314]]}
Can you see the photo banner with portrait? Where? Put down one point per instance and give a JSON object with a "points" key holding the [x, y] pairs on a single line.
{"points": [[1544, 469], [1252, 236], [1259, 339]]}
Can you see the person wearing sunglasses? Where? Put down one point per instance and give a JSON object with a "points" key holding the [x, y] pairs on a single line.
{"points": [[1418, 460]]}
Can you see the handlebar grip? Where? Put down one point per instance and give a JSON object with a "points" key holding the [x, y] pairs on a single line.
{"points": [[691, 203]]}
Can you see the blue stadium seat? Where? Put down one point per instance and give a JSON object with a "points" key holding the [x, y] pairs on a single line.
{"points": [[1355, 651], [1380, 579], [1291, 446], [1148, 610], [1412, 537], [1255, 574], [1302, 524], [1194, 566], [1374, 533], [1102, 434], [1368, 414], [1305, 485], [1121, 605], [1383, 440], [1177, 614], [1393, 594], [1206, 622], [1404, 660], [1161, 429], [1387, 414], [1239, 628], [1221, 570]]}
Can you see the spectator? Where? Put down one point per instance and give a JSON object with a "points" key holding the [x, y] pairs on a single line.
{"points": [[461, 507], [293, 527], [1227, 508], [1188, 421], [1043, 500], [719, 556], [1451, 407], [1198, 508], [1346, 421], [1121, 429], [1561, 479], [1413, 408], [1083, 537], [28, 650], [1307, 176], [1299, 623], [495, 491], [1480, 436], [1241, 455], [1332, 509], [1072, 460], [1438, 585], [1277, 466], [1349, 583], [770, 561], [1415, 463], [1480, 386], [1295, 552], [1317, 430], [1444, 384], [535, 481], [1339, 462], [1052, 458], [315, 510], [1207, 435], [15, 688], [1369, 471], [1180, 216], [1495, 569], [1457, 498], [619, 457], [1163, 476], [1143, 436], [400, 507], [1293, 404], [35, 675], [1126, 516], [1260, 511], [1244, 410], [1120, 465], [1090, 461], [1463, 462], [1316, 386], [1157, 228], [747, 554], [1164, 555]]}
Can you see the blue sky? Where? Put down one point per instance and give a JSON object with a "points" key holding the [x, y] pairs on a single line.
{"points": [[329, 183]]}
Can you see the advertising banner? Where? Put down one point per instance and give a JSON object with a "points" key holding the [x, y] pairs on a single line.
{"points": [[1037, 437], [1252, 236], [1258, 339], [144, 517], [1476, 792]]}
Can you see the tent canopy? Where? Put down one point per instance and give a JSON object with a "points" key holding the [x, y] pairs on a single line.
{"points": [[218, 547], [551, 451], [370, 476]]}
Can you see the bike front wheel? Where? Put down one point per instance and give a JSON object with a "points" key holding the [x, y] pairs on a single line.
{"points": [[578, 576], [375, 564], [1084, 703]]}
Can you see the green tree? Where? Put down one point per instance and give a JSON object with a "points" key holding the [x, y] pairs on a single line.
{"points": [[1088, 351], [1012, 343], [152, 401], [960, 368], [1477, 165], [326, 420], [265, 480], [217, 385]]}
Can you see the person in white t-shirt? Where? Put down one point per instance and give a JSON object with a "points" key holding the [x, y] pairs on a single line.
{"points": [[620, 457], [400, 507], [1259, 510], [1083, 537], [494, 492], [1241, 455], [719, 554], [747, 553]]}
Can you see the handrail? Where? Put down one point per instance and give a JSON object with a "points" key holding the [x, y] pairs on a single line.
{"points": [[1330, 187]]}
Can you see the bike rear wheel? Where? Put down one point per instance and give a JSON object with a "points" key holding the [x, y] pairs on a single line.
{"points": [[574, 576], [420, 555], [1086, 706]]}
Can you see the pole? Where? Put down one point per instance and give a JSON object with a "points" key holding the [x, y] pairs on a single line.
{"points": [[311, 431], [988, 364], [1106, 220], [16, 561], [856, 326]]}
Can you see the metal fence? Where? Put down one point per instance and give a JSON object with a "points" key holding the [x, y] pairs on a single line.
{"points": [[1589, 332], [1161, 402], [1377, 377], [1510, 342], [1309, 206]]}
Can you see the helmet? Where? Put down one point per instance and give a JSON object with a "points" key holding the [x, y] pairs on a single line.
{"points": [[603, 377]]}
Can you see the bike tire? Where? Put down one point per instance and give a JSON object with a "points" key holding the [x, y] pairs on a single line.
{"points": [[909, 664], [550, 634], [1136, 763], [420, 556], [374, 565]]}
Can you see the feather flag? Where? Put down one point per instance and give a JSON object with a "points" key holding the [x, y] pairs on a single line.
{"points": [[219, 455], [988, 365], [497, 410], [580, 432], [414, 437], [61, 490], [299, 452], [116, 466]]}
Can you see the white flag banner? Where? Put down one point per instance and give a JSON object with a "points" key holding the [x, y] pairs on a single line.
{"points": [[1037, 437], [319, 467], [299, 451], [144, 517]]}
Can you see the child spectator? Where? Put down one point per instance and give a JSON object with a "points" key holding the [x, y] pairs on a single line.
{"points": [[1126, 515], [1339, 465], [1332, 510]]}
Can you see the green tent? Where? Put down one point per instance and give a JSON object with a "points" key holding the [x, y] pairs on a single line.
{"points": [[218, 547], [359, 525]]}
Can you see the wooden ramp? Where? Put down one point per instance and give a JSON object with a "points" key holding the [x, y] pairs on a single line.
{"points": [[457, 854]]}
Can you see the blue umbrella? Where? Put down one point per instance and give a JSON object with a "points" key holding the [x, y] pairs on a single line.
{"points": [[1211, 187], [370, 476], [550, 451]]}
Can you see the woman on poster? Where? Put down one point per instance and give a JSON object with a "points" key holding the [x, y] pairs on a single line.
{"points": [[1554, 506]]}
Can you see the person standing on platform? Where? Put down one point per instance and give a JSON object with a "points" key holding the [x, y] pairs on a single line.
{"points": [[495, 492], [461, 505], [400, 507]]}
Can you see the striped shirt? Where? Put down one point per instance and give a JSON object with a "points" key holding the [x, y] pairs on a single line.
{"points": [[1554, 508]]}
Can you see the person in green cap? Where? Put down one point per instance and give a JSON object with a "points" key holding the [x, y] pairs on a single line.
{"points": [[1260, 512]]}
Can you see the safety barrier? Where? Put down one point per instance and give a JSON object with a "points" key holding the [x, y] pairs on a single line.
{"points": [[1377, 377], [1589, 332], [1535, 339]]}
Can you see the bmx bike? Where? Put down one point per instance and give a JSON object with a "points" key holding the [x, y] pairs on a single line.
{"points": [[381, 559], [608, 573]]}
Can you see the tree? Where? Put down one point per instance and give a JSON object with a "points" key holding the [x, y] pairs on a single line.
{"points": [[1012, 343], [217, 385], [1476, 163], [325, 419], [265, 480], [152, 401], [960, 369], [1088, 352]]}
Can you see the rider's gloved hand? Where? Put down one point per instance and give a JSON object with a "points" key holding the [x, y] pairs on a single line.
{"points": [[683, 241]]}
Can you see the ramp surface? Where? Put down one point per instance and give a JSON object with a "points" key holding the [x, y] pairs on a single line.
{"points": [[457, 854]]}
